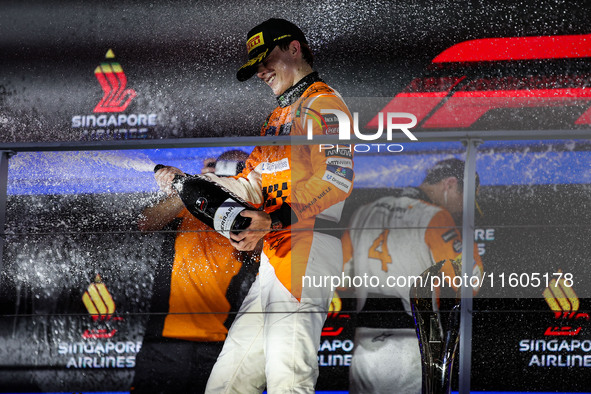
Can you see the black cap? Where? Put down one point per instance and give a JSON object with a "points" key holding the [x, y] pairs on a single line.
{"points": [[261, 40]]}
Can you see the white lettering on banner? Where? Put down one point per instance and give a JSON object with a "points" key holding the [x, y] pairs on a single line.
{"points": [[484, 234], [345, 125], [101, 362], [99, 347], [332, 359], [554, 345], [99, 354], [341, 183], [335, 161], [553, 360], [576, 346], [119, 126], [335, 360], [276, 166], [114, 120], [336, 344]]}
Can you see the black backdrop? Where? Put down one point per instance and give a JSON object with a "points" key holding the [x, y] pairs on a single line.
{"points": [[180, 57]]}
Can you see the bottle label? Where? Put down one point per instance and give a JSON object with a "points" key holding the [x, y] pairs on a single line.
{"points": [[225, 215]]}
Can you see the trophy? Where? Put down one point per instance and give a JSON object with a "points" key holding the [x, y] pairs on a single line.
{"points": [[437, 327]]}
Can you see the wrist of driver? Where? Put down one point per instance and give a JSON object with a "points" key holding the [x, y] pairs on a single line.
{"points": [[276, 223], [282, 217]]}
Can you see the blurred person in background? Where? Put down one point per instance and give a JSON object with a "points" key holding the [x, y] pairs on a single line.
{"points": [[201, 282], [274, 340], [400, 236]]}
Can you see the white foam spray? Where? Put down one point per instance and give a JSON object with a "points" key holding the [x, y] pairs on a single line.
{"points": [[51, 161]]}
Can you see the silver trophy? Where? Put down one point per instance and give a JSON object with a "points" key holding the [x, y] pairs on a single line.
{"points": [[437, 328]]}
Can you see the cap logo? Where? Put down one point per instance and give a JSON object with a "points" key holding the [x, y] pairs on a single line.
{"points": [[256, 60], [255, 41], [282, 37]]}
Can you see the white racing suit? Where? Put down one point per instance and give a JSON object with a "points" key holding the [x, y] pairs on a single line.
{"points": [[394, 238]]}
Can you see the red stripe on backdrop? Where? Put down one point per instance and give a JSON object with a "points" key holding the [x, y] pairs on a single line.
{"points": [[518, 48]]}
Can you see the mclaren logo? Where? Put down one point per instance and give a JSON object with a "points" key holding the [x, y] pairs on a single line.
{"points": [[563, 301], [113, 81]]}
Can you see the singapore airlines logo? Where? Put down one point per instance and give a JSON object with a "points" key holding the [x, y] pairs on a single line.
{"points": [[98, 300], [101, 307], [334, 313], [563, 301], [109, 119], [113, 81]]}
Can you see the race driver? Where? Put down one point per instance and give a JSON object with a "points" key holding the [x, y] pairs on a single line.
{"points": [[398, 237], [274, 340]]}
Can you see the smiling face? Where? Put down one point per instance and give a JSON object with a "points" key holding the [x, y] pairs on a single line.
{"points": [[280, 69]]}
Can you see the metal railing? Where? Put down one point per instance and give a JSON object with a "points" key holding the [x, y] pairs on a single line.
{"points": [[471, 139]]}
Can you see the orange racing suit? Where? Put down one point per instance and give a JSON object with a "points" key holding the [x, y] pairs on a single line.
{"points": [[297, 184], [274, 340]]}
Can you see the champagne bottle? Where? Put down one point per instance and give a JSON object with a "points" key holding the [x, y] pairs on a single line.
{"points": [[211, 203]]}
